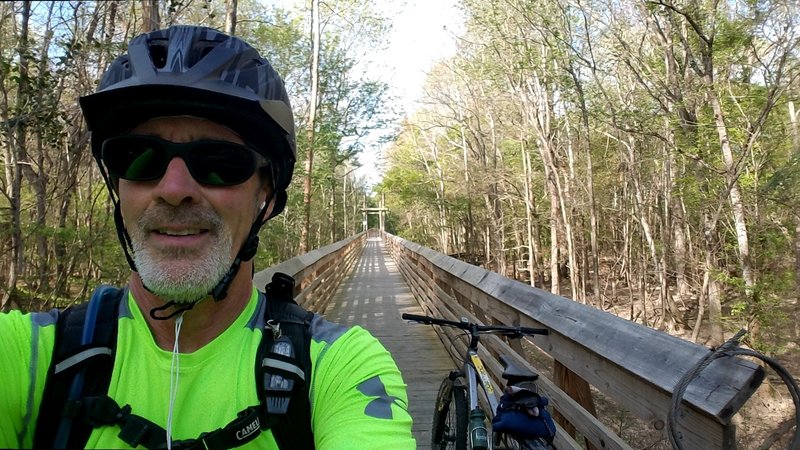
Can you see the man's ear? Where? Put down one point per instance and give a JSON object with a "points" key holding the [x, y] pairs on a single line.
{"points": [[270, 207], [266, 199]]}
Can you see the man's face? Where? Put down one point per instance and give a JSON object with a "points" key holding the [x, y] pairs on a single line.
{"points": [[185, 235]]}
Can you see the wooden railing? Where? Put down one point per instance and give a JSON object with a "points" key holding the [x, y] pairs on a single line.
{"points": [[318, 273], [637, 367]]}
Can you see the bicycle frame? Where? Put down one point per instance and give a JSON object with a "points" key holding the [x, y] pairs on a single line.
{"points": [[474, 372], [461, 388], [476, 375]]}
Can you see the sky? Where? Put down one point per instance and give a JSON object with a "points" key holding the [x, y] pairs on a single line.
{"points": [[423, 32]]}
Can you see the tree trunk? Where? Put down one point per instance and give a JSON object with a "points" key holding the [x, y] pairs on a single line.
{"points": [[795, 126], [498, 222], [594, 263], [656, 258], [531, 221], [345, 212], [150, 16], [332, 206], [39, 180], [568, 217], [15, 158], [552, 190], [796, 299], [735, 197], [312, 117], [714, 302], [230, 16]]}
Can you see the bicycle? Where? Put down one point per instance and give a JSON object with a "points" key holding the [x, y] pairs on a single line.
{"points": [[458, 419]]}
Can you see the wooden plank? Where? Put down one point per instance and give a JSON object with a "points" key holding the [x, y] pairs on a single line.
{"points": [[374, 296]]}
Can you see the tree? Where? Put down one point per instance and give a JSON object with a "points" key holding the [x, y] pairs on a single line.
{"points": [[311, 127]]}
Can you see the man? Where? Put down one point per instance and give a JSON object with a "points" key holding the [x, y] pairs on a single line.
{"points": [[194, 134]]}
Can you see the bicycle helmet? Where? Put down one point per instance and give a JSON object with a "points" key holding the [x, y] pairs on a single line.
{"points": [[197, 71]]}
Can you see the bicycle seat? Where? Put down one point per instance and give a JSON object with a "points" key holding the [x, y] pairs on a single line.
{"points": [[514, 373]]}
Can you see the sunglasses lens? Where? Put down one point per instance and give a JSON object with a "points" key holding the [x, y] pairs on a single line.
{"points": [[142, 158], [134, 159], [220, 164]]}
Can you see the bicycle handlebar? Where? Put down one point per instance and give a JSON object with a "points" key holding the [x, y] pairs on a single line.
{"points": [[505, 329]]}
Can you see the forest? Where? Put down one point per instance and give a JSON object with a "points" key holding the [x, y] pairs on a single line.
{"points": [[57, 235], [640, 156]]}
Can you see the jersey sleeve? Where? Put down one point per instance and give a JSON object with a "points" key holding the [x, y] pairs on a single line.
{"points": [[25, 350], [358, 395]]}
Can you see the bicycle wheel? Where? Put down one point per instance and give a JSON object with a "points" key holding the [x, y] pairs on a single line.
{"points": [[450, 417]]}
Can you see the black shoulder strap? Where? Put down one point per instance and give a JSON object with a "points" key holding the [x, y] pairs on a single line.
{"points": [[292, 428], [83, 358]]}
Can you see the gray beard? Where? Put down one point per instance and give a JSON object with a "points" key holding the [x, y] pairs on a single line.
{"points": [[182, 275]]}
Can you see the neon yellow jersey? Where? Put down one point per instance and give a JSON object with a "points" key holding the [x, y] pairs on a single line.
{"points": [[358, 397]]}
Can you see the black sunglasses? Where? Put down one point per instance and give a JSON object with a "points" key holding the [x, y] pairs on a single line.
{"points": [[145, 158]]}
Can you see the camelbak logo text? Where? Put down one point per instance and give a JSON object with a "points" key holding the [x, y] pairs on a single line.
{"points": [[248, 430]]}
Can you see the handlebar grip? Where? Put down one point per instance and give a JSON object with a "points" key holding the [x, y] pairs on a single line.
{"points": [[543, 331], [434, 321], [415, 317]]}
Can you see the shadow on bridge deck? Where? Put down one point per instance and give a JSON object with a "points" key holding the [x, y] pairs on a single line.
{"points": [[374, 296]]}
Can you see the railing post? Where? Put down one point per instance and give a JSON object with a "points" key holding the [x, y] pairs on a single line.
{"points": [[577, 388]]}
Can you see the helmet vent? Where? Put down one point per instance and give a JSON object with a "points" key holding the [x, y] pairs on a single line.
{"points": [[205, 51], [251, 64], [158, 53]]}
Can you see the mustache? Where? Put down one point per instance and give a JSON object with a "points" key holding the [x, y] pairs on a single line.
{"points": [[189, 216]]}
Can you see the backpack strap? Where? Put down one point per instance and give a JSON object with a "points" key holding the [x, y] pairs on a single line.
{"points": [[75, 396], [83, 358], [285, 355]]}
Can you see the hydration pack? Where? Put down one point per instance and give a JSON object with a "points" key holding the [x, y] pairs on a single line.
{"points": [[75, 399]]}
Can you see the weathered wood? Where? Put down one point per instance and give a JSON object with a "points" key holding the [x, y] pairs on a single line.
{"points": [[317, 273], [577, 388], [374, 296], [636, 366]]}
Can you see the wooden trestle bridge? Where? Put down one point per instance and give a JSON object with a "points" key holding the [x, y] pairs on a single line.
{"points": [[372, 278]]}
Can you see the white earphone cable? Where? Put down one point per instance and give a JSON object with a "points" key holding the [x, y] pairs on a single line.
{"points": [[174, 376]]}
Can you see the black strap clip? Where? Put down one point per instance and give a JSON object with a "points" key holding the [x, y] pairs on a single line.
{"points": [[104, 410]]}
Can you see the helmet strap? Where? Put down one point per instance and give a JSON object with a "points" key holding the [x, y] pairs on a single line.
{"points": [[246, 253], [122, 233], [155, 311]]}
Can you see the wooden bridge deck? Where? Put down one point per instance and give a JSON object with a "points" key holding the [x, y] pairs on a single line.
{"points": [[374, 296]]}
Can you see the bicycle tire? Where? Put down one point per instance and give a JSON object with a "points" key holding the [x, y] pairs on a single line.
{"points": [[450, 417]]}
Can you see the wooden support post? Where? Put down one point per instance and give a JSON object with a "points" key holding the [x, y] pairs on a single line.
{"points": [[729, 437], [577, 388]]}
